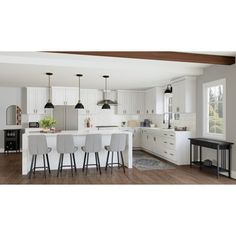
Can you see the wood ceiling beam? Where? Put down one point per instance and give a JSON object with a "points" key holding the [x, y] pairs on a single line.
{"points": [[159, 55]]}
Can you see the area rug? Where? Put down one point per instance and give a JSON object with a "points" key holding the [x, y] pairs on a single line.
{"points": [[143, 161]]}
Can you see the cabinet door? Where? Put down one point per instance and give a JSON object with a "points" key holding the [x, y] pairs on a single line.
{"points": [[71, 96], [123, 107], [92, 99], [31, 101], [58, 95], [41, 98], [179, 97]]}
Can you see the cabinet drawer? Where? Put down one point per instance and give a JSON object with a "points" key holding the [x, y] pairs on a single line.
{"points": [[167, 134], [168, 143], [169, 154]]}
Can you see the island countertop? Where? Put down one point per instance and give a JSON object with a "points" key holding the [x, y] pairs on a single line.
{"points": [[79, 141]]}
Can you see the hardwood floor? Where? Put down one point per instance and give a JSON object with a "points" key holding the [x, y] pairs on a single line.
{"points": [[10, 173]]}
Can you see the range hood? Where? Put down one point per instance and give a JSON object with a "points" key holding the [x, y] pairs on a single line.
{"points": [[109, 99]]}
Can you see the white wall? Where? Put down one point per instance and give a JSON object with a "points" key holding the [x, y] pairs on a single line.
{"points": [[8, 96]]}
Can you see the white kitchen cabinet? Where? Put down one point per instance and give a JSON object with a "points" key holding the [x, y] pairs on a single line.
{"points": [[89, 98], [154, 101], [64, 96], [167, 144], [130, 102], [34, 100], [184, 95]]}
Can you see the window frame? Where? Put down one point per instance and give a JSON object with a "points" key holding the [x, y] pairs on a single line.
{"points": [[206, 111]]}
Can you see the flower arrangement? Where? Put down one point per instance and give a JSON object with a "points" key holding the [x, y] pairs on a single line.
{"points": [[47, 123]]}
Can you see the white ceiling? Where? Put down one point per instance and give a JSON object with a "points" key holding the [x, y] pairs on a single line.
{"points": [[20, 69]]}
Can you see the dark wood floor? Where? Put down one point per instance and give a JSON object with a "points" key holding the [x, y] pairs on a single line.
{"points": [[10, 173]]}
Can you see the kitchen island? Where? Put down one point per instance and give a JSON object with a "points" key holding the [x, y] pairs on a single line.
{"points": [[79, 140]]}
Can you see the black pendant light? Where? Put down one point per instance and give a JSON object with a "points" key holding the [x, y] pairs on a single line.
{"points": [[79, 105], [49, 104], [106, 105], [168, 89]]}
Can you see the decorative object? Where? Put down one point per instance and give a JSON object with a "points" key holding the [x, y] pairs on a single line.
{"points": [[106, 105], [49, 104], [79, 105], [143, 161], [47, 123]]}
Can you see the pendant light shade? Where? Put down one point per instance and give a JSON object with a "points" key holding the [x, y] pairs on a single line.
{"points": [[49, 104], [106, 105], [79, 105], [168, 89]]}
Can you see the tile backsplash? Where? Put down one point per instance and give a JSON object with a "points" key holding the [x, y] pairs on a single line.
{"points": [[185, 119]]}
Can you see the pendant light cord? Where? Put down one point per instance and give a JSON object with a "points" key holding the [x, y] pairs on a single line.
{"points": [[79, 88], [49, 88], [105, 88]]}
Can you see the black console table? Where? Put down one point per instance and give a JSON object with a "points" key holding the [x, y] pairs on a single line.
{"points": [[221, 166], [11, 140]]}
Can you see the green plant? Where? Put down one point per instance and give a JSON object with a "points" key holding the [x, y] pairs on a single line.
{"points": [[47, 122]]}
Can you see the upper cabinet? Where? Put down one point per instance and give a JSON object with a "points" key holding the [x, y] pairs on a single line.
{"points": [[154, 99], [184, 95], [34, 100], [69, 96], [130, 102], [64, 96]]}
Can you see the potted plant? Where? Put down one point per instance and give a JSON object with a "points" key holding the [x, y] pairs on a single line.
{"points": [[47, 123]]}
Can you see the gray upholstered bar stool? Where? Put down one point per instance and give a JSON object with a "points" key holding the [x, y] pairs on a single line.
{"points": [[118, 143], [65, 145], [38, 146], [93, 144]]}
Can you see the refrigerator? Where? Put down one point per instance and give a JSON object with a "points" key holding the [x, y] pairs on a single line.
{"points": [[66, 117]]}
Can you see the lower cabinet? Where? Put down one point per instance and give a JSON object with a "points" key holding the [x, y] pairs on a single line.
{"points": [[170, 145]]}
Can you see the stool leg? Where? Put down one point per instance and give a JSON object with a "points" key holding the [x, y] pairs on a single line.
{"points": [[118, 160], [59, 166], [107, 160], [122, 159], [31, 167], [71, 164], [44, 166], [35, 160], [73, 155], [112, 161], [87, 163], [96, 160], [99, 166], [49, 170], [62, 159], [85, 156]]}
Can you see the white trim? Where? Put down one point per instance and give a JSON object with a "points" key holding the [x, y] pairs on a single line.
{"points": [[205, 86]]}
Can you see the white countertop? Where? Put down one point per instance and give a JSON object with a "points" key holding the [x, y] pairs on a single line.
{"points": [[80, 132]]}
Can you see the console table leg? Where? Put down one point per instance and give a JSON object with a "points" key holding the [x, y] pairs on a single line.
{"points": [[230, 162], [217, 161]]}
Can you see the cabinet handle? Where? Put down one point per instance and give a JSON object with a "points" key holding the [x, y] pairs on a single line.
{"points": [[154, 139], [147, 111], [147, 136], [171, 154], [165, 142], [171, 144], [152, 111], [165, 152], [165, 134]]}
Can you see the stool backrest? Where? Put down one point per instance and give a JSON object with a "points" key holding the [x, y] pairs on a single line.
{"points": [[118, 142], [37, 145], [93, 143], [65, 143]]}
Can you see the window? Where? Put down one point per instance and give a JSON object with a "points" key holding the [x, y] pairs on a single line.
{"points": [[214, 109]]}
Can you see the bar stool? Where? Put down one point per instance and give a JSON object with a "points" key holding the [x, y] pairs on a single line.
{"points": [[65, 145], [117, 144], [93, 144], [38, 146]]}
